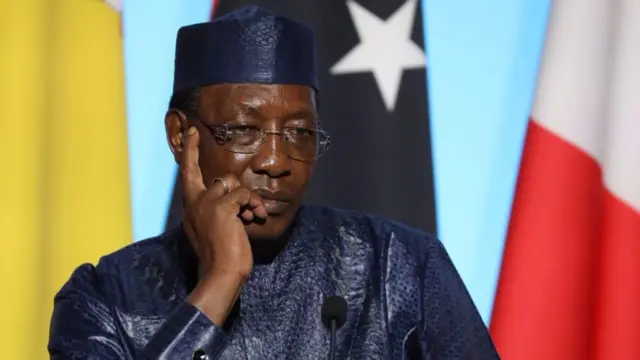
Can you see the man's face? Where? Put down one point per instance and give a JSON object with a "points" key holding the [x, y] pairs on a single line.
{"points": [[270, 170]]}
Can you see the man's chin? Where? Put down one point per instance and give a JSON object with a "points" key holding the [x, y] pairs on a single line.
{"points": [[272, 229]]}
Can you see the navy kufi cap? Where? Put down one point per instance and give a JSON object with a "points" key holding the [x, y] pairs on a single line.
{"points": [[249, 45]]}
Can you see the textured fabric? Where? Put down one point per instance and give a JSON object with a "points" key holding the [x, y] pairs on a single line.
{"points": [[250, 45], [405, 299], [191, 324]]}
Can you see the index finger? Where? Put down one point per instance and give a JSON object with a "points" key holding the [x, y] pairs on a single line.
{"points": [[256, 205], [243, 198], [192, 183]]}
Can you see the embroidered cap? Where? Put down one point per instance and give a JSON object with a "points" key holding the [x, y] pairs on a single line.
{"points": [[249, 45]]}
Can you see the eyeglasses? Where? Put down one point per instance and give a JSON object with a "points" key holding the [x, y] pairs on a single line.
{"points": [[301, 143]]}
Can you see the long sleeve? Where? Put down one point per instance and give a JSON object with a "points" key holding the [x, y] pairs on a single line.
{"points": [[452, 328], [84, 326]]}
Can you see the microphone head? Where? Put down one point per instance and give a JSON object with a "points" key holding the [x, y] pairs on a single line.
{"points": [[334, 308]]}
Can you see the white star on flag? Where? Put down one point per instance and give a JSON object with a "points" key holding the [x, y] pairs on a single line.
{"points": [[385, 48]]}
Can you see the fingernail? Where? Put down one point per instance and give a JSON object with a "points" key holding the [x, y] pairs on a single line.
{"points": [[192, 130]]}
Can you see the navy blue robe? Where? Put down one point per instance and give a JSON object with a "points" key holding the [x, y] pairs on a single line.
{"points": [[405, 299]]}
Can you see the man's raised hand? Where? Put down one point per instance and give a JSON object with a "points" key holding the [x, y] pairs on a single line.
{"points": [[214, 215]]}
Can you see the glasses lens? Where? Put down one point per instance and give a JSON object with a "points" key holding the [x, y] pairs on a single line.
{"points": [[243, 139], [300, 144]]}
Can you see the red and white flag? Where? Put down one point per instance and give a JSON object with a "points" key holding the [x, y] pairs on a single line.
{"points": [[569, 286]]}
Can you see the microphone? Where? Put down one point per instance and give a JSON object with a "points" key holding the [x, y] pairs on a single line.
{"points": [[334, 315]]}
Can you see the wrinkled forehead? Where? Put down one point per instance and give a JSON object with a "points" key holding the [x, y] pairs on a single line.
{"points": [[263, 100]]}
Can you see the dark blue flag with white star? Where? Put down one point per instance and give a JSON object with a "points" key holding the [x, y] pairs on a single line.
{"points": [[373, 102]]}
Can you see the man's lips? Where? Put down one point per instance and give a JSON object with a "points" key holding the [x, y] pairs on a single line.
{"points": [[276, 202]]}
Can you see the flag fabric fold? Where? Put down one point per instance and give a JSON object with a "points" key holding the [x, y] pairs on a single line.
{"points": [[570, 279], [65, 192]]}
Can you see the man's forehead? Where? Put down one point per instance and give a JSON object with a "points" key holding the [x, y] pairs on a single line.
{"points": [[259, 95]]}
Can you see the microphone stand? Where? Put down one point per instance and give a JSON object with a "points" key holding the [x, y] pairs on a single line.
{"points": [[332, 344]]}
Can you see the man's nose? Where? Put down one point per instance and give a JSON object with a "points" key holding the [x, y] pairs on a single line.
{"points": [[272, 158]]}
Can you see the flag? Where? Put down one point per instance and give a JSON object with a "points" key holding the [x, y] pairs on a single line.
{"points": [[64, 190], [570, 280], [373, 102]]}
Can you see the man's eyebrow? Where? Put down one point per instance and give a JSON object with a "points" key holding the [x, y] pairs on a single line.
{"points": [[302, 114], [252, 109]]}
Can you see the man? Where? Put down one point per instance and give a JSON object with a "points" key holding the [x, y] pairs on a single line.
{"points": [[247, 273]]}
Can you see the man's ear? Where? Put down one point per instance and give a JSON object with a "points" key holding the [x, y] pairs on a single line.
{"points": [[175, 124]]}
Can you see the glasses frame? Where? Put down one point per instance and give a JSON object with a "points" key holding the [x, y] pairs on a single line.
{"points": [[220, 132]]}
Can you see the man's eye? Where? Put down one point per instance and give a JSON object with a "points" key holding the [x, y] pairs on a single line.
{"points": [[301, 132], [241, 129]]}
